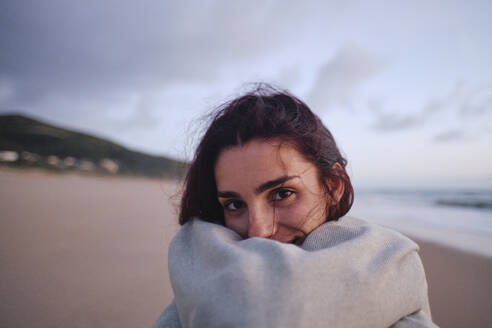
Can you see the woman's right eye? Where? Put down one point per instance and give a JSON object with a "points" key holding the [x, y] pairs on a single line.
{"points": [[234, 205]]}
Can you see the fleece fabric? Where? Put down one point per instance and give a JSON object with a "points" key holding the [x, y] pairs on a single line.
{"points": [[348, 273]]}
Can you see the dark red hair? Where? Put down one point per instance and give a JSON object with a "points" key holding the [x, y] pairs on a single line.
{"points": [[264, 113]]}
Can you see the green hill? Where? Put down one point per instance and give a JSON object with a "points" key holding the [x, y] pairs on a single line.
{"points": [[37, 144]]}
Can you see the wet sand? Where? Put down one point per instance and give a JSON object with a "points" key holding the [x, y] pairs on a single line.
{"points": [[81, 251]]}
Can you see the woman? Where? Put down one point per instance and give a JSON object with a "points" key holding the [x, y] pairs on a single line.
{"points": [[268, 168]]}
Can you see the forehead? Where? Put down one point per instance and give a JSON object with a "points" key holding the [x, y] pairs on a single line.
{"points": [[258, 161]]}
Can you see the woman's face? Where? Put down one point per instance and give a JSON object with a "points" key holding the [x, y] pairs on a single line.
{"points": [[268, 189]]}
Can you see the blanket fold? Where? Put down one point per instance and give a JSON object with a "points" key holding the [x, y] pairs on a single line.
{"points": [[345, 274]]}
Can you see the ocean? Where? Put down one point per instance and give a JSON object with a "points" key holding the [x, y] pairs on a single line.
{"points": [[456, 218]]}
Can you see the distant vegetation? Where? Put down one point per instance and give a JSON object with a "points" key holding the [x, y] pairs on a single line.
{"points": [[26, 142]]}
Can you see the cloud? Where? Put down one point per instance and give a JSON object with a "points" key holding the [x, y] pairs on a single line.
{"points": [[100, 48], [451, 135], [141, 116], [94, 48], [477, 102], [339, 78], [395, 120], [6, 90], [84, 64], [460, 103]]}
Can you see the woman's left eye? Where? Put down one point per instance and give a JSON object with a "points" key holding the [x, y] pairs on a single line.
{"points": [[281, 194]]}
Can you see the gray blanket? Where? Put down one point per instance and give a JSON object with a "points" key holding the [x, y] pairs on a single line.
{"points": [[345, 274]]}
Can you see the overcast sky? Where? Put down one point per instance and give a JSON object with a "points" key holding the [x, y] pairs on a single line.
{"points": [[405, 86]]}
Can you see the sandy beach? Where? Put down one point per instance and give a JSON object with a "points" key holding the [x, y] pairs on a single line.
{"points": [[86, 251]]}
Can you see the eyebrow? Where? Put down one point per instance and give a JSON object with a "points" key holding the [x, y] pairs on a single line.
{"points": [[261, 188], [227, 194]]}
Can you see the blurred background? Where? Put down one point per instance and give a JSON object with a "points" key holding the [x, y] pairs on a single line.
{"points": [[101, 105]]}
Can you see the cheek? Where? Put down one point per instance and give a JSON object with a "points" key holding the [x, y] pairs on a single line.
{"points": [[239, 224], [293, 216], [302, 214]]}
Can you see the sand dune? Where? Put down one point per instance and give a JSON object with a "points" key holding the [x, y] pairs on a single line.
{"points": [[79, 251]]}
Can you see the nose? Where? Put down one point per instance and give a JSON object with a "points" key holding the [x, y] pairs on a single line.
{"points": [[261, 223]]}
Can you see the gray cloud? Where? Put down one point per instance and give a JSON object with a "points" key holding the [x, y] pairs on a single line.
{"points": [[141, 117], [81, 64], [460, 103], [99, 48], [477, 102], [339, 78], [451, 135], [394, 120]]}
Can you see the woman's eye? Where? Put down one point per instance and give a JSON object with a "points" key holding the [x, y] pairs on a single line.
{"points": [[234, 205], [281, 194]]}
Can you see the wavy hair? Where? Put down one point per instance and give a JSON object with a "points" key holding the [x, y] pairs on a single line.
{"points": [[264, 113]]}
